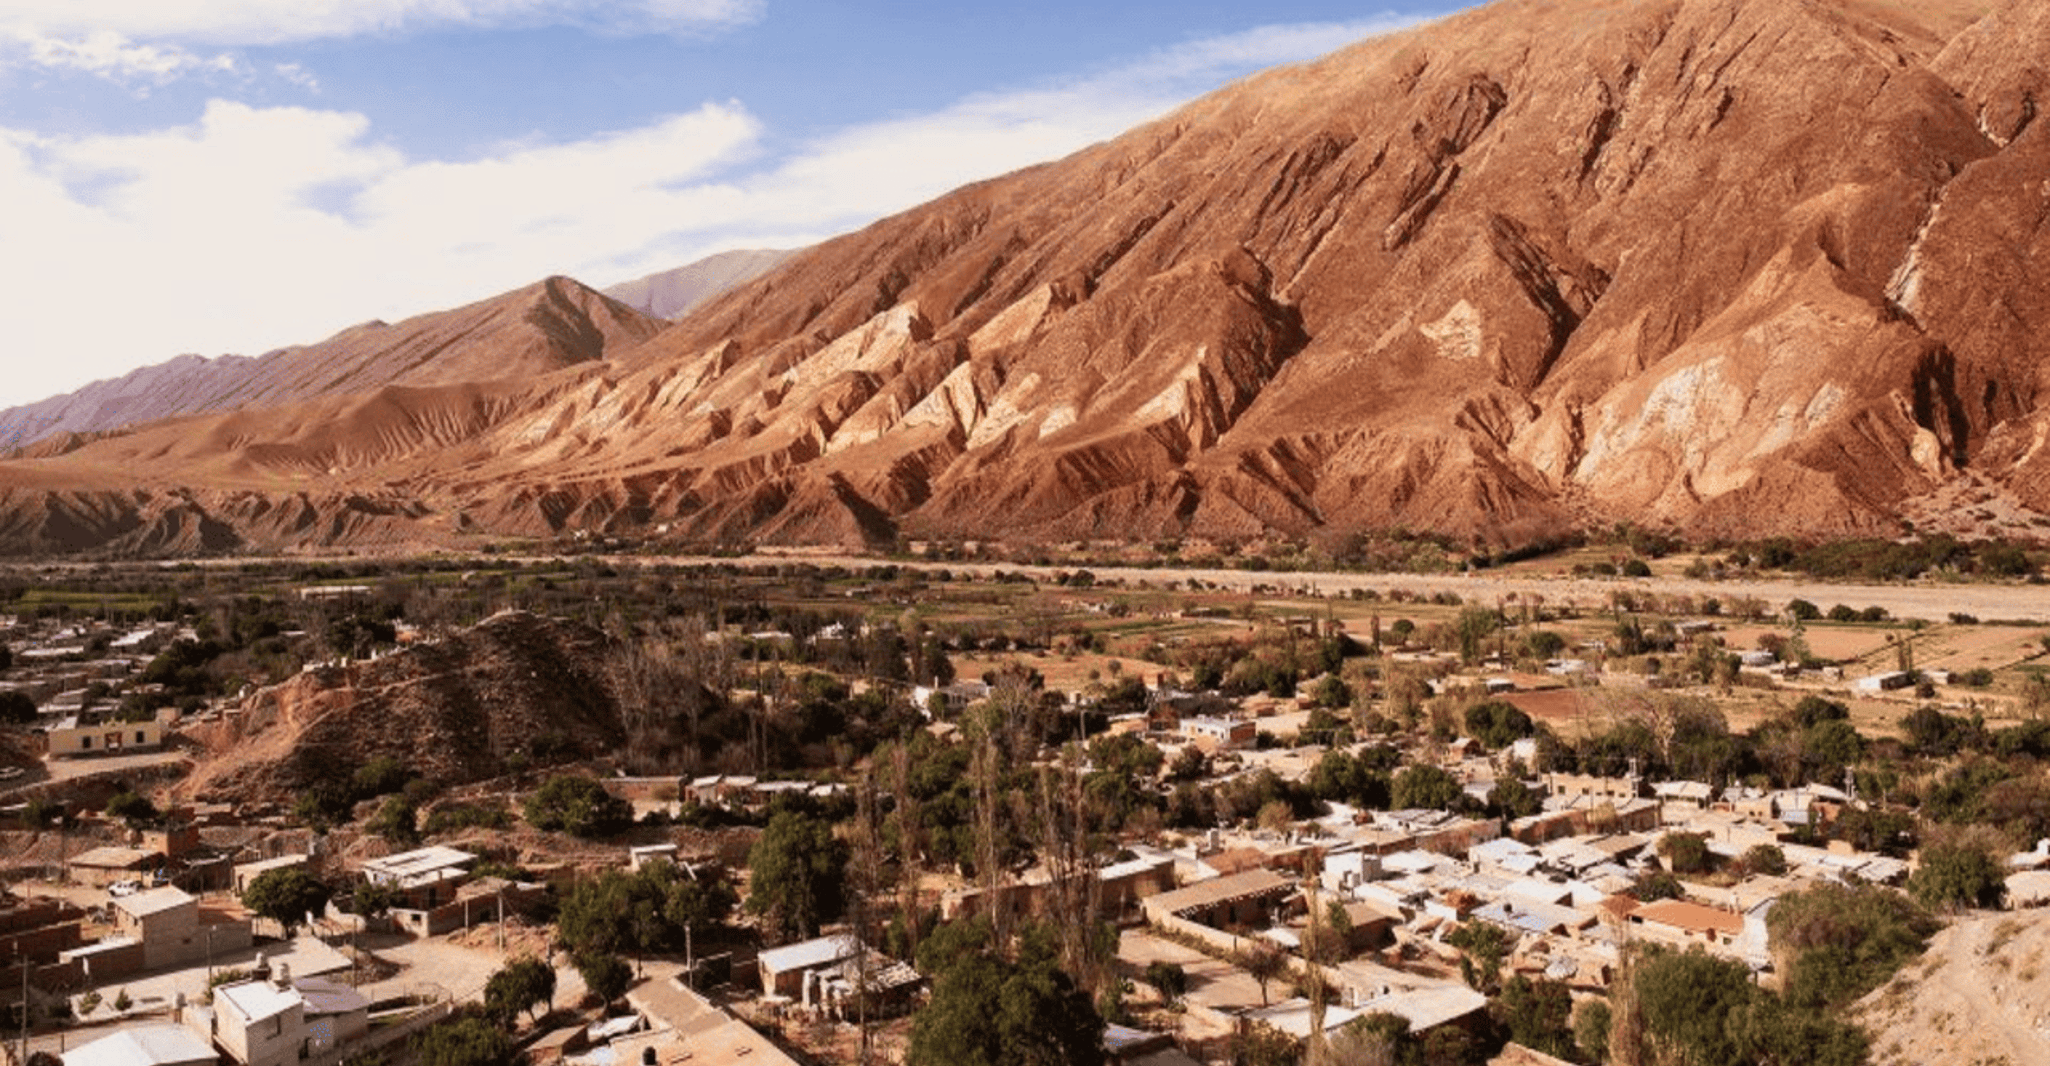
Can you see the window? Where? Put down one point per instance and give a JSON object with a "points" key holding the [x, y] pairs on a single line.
{"points": [[85, 743], [138, 737]]}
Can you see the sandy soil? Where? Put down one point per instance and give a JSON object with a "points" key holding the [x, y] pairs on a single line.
{"points": [[1979, 997]]}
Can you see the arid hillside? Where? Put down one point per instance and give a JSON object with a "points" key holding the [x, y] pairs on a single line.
{"points": [[533, 330], [452, 711], [673, 293], [1723, 266]]}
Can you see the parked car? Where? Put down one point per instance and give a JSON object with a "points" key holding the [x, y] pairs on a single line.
{"points": [[124, 888]]}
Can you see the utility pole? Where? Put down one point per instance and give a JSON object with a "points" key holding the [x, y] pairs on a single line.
{"points": [[24, 1010]]}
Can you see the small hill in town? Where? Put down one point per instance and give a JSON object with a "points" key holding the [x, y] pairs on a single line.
{"points": [[452, 710]]}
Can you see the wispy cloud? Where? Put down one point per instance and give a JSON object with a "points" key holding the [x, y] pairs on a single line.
{"points": [[262, 22], [109, 55], [257, 227]]}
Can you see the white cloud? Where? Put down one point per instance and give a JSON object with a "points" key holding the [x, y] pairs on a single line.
{"points": [[106, 54], [257, 22], [258, 227]]}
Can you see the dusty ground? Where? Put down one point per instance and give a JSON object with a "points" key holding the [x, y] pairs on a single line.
{"points": [[1979, 997]]}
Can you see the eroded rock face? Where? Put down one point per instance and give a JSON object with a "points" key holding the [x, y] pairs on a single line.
{"points": [[1735, 267]]}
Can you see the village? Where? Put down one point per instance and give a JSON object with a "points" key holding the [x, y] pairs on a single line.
{"points": [[139, 941]]}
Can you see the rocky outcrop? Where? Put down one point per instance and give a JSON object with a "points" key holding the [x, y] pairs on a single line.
{"points": [[1731, 267]]}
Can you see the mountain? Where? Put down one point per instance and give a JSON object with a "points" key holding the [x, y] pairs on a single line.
{"points": [[1727, 267], [673, 293], [542, 327]]}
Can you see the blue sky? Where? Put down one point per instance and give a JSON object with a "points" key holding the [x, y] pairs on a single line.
{"points": [[217, 176]]}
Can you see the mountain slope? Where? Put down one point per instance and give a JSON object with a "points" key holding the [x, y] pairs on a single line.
{"points": [[673, 293], [1733, 267], [536, 329]]}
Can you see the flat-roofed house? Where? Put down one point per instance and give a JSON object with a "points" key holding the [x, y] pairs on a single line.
{"points": [[1243, 899], [1681, 922], [156, 1044], [173, 930]]}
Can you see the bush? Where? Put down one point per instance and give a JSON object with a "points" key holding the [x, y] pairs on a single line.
{"points": [[576, 805]]}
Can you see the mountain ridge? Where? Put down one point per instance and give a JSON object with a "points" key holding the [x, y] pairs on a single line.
{"points": [[1727, 267]]}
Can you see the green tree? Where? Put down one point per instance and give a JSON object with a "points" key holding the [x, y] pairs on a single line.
{"points": [[1482, 947], [397, 821], [1834, 943], [1264, 962], [1687, 1000], [989, 1011], [1168, 978], [1498, 723], [520, 985], [795, 875], [1686, 853], [286, 896], [1513, 799], [131, 807], [656, 908], [466, 1040], [1958, 875], [1537, 1014], [577, 805], [606, 975], [1591, 1030], [1423, 786]]}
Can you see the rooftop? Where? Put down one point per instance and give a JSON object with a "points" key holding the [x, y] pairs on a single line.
{"points": [[259, 999], [148, 1045], [154, 901]]}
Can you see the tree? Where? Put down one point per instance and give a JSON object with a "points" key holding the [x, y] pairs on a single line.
{"points": [[1168, 978], [397, 821], [988, 1011], [1958, 875], [1498, 723], [1423, 786], [1591, 1030], [131, 807], [1686, 853], [1687, 1000], [655, 908], [286, 896], [16, 706], [1513, 799], [1264, 962], [606, 975], [795, 875], [518, 986], [1482, 947], [466, 1040], [1537, 1014], [367, 899], [1834, 943], [577, 805]]}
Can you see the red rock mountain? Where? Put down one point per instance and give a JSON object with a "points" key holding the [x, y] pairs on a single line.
{"points": [[1726, 266], [673, 293], [543, 327]]}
